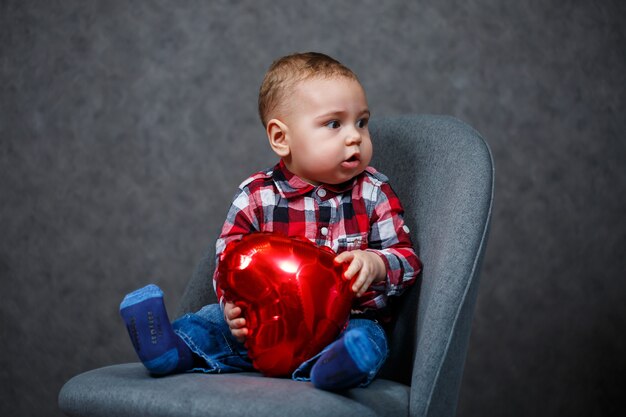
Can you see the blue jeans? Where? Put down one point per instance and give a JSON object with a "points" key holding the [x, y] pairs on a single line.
{"points": [[208, 336]]}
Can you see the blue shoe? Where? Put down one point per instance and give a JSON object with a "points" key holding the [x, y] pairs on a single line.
{"points": [[158, 347], [346, 363]]}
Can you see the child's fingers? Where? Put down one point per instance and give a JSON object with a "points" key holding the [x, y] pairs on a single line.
{"points": [[232, 313], [239, 334], [362, 281], [355, 264], [237, 323], [344, 257], [358, 286]]}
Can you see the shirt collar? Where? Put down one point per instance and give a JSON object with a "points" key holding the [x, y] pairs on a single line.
{"points": [[290, 185]]}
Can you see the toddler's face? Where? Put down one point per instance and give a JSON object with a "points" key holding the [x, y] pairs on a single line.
{"points": [[327, 132]]}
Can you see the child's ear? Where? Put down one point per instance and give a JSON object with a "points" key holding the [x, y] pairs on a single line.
{"points": [[277, 135]]}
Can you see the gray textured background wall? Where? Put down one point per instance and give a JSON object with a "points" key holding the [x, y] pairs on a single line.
{"points": [[125, 126]]}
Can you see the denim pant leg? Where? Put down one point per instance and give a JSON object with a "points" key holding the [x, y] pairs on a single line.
{"points": [[374, 332], [208, 336]]}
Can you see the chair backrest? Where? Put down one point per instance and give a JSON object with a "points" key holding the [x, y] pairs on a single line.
{"points": [[442, 171]]}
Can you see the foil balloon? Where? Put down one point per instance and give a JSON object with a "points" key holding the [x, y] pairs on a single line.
{"points": [[293, 296]]}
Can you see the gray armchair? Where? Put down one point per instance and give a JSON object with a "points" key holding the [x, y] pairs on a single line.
{"points": [[443, 172]]}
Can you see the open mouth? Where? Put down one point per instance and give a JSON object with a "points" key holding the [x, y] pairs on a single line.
{"points": [[352, 162]]}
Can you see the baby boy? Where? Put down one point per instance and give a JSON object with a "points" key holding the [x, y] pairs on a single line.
{"points": [[316, 116]]}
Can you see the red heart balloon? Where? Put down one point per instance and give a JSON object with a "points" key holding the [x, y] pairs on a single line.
{"points": [[294, 298]]}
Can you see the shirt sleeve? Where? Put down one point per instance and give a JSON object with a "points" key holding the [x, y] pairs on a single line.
{"points": [[242, 219], [389, 237]]}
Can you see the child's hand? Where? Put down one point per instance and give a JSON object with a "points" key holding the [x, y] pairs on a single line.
{"points": [[367, 266], [236, 323]]}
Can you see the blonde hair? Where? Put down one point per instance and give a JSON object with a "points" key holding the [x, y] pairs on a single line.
{"points": [[286, 72]]}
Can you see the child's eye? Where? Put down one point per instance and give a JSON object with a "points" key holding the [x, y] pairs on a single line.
{"points": [[362, 123], [333, 124]]}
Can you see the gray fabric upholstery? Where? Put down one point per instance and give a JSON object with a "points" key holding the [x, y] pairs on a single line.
{"points": [[126, 390], [443, 172]]}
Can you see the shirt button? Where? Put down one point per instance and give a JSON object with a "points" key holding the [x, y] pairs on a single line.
{"points": [[406, 229], [321, 192], [324, 231]]}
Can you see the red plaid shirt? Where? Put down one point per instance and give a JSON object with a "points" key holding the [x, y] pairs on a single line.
{"points": [[363, 213]]}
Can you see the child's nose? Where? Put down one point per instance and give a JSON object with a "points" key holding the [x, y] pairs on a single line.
{"points": [[354, 137]]}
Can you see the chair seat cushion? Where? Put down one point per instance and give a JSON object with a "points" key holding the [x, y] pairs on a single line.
{"points": [[128, 390]]}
